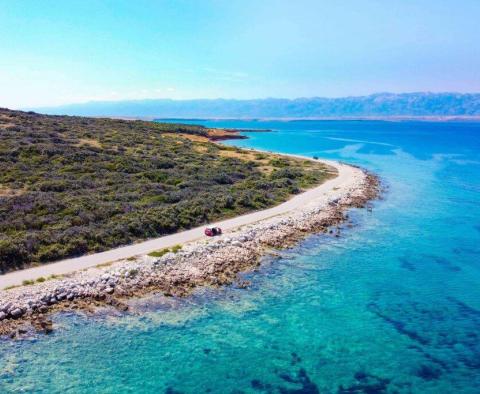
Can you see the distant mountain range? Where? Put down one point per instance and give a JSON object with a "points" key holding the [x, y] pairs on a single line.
{"points": [[375, 105]]}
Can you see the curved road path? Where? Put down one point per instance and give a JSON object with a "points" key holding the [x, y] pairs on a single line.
{"points": [[330, 189]]}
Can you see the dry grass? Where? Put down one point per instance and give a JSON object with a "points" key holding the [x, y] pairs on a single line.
{"points": [[263, 163], [7, 192], [104, 265], [263, 160], [213, 134], [219, 133], [89, 142], [191, 137], [200, 148], [5, 125]]}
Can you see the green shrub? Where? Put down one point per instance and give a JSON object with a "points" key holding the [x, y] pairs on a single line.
{"points": [[279, 163], [132, 272], [175, 248], [159, 253]]}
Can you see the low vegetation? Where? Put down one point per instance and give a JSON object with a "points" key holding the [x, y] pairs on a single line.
{"points": [[74, 185], [29, 282], [161, 252]]}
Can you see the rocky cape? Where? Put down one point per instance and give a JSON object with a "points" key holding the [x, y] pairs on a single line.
{"points": [[212, 262]]}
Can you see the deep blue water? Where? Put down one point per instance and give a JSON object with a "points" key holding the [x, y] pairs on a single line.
{"points": [[392, 306]]}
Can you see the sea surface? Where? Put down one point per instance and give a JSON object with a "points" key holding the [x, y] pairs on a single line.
{"points": [[392, 306]]}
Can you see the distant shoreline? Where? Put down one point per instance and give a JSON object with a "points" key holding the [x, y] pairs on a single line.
{"points": [[430, 106], [399, 118]]}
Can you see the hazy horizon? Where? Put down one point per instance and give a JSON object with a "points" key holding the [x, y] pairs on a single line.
{"points": [[119, 100], [377, 105]]}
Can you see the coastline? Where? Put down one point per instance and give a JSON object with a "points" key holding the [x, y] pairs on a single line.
{"points": [[200, 262], [384, 118]]}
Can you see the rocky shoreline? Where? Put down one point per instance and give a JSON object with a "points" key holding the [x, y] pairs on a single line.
{"points": [[212, 262]]}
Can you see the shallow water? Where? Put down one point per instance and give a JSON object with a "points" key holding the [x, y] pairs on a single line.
{"points": [[391, 306]]}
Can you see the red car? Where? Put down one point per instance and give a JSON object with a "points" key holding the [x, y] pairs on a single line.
{"points": [[212, 231]]}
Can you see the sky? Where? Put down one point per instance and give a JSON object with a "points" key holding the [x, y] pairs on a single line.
{"points": [[59, 52]]}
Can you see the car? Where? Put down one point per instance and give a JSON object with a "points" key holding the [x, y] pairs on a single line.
{"points": [[212, 231]]}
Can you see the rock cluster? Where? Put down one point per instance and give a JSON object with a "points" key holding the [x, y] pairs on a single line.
{"points": [[213, 262]]}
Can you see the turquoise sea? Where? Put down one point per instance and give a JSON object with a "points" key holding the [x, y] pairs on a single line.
{"points": [[393, 306]]}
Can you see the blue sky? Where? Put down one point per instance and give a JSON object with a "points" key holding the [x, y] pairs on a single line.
{"points": [[55, 52]]}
